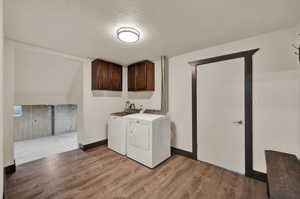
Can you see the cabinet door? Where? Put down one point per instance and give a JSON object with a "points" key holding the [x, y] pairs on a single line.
{"points": [[131, 78], [150, 76], [104, 76], [116, 77], [141, 76], [95, 75]]}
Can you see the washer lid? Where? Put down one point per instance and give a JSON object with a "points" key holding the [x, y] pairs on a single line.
{"points": [[142, 116]]}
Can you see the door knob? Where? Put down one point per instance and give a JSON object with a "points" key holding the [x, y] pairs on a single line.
{"points": [[238, 122]]}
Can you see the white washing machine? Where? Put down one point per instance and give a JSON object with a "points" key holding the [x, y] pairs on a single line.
{"points": [[117, 133], [148, 138]]}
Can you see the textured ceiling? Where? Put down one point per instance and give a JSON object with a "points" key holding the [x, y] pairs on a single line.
{"points": [[86, 28]]}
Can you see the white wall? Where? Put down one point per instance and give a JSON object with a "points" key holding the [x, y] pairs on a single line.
{"points": [[298, 44], [97, 107], [276, 114], [8, 101], [42, 77], [298, 33], [75, 96], [1, 98], [276, 93]]}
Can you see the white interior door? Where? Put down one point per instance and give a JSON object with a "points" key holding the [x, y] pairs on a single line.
{"points": [[220, 114]]}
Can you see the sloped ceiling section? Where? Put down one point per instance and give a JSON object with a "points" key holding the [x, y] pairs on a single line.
{"points": [[42, 78], [169, 27]]}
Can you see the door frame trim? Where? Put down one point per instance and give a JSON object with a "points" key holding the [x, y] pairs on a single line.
{"points": [[248, 93]]}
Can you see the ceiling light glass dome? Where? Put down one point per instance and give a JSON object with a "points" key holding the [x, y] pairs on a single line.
{"points": [[128, 34]]}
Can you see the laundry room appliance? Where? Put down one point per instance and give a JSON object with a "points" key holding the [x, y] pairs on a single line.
{"points": [[117, 132], [148, 138]]}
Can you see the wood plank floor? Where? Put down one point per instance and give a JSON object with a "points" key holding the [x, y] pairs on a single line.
{"points": [[101, 173]]}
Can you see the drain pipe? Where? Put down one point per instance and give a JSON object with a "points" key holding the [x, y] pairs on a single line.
{"points": [[164, 108]]}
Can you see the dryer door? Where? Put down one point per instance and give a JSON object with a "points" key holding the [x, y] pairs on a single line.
{"points": [[139, 141]]}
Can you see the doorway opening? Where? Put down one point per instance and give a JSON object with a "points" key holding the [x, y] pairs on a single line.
{"points": [[44, 130], [248, 104]]}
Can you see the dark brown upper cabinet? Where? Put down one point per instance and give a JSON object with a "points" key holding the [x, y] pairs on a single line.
{"points": [[106, 75], [141, 76]]}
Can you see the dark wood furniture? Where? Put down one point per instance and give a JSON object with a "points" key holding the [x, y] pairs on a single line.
{"points": [[283, 171], [141, 76], [106, 75]]}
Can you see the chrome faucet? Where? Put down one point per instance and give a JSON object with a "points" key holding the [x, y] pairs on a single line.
{"points": [[142, 110], [132, 106]]}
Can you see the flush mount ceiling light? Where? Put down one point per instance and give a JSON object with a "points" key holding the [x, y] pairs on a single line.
{"points": [[128, 34]]}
